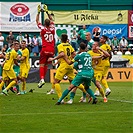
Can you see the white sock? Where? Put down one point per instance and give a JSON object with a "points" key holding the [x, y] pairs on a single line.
{"points": [[108, 89], [42, 80], [52, 89]]}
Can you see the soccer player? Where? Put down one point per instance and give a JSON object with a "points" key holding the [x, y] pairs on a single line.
{"points": [[65, 50], [16, 68], [84, 75], [48, 41], [106, 65], [8, 72], [96, 54], [97, 65], [2, 56], [24, 65]]}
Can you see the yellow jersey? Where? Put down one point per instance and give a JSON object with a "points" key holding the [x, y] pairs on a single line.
{"points": [[96, 63], [25, 62], [106, 47], [68, 50], [9, 61]]}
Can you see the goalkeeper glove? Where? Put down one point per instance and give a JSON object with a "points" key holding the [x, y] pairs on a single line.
{"points": [[39, 9], [45, 8]]}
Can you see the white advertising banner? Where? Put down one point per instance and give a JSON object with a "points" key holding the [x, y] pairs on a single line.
{"points": [[18, 16], [130, 31], [0, 16]]}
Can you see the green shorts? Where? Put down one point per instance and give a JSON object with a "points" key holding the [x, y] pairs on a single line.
{"points": [[81, 79], [16, 70]]}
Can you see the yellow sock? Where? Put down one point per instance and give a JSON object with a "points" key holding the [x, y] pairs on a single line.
{"points": [[81, 87], [97, 89], [104, 83], [58, 90], [102, 92], [1, 85], [11, 84], [53, 86], [23, 85]]}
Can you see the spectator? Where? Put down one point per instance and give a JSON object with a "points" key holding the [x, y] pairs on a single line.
{"points": [[82, 34], [130, 48], [10, 38], [28, 42], [119, 53], [90, 41], [1, 41], [35, 44], [108, 41], [127, 53], [115, 43], [5, 47], [74, 40], [40, 42], [20, 37], [96, 34], [123, 44]]}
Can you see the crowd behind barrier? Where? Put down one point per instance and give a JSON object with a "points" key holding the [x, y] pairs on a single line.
{"points": [[120, 46]]}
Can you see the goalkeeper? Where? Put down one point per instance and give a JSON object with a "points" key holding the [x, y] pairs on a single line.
{"points": [[48, 42]]}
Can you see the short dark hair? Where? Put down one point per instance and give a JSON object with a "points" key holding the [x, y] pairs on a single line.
{"points": [[83, 45], [105, 37], [64, 37], [15, 41], [23, 41], [47, 22]]}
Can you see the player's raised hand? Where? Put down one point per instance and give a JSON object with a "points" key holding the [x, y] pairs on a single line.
{"points": [[39, 8], [45, 8], [98, 48]]}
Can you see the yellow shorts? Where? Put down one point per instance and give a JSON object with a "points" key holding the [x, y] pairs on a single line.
{"points": [[105, 71], [8, 74], [98, 76], [24, 72], [62, 71]]}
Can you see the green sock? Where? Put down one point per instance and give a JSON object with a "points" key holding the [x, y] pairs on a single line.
{"points": [[64, 94], [72, 94], [84, 95], [91, 93], [17, 87]]}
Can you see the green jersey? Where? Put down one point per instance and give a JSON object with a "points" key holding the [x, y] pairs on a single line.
{"points": [[84, 68], [9, 50], [84, 64], [15, 67], [115, 42], [90, 43], [82, 33]]}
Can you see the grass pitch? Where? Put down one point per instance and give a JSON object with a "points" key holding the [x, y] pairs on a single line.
{"points": [[37, 113]]}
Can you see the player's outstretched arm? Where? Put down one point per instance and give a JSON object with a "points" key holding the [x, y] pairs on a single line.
{"points": [[69, 62], [97, 57], [104, 52], [38, 14], [61, 55], [46, 10], [49, 16]]}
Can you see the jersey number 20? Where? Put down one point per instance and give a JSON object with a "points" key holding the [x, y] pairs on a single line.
{"points": [[49, 37]]}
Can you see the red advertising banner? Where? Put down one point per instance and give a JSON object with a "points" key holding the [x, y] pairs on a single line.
{"points": [[130, 24], [130, 17]]}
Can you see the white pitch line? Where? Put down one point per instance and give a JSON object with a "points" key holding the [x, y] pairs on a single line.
{"points": [[116, 100], [122, 101], [58, 113]]}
